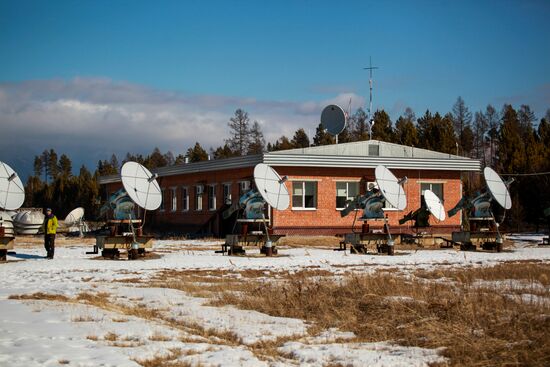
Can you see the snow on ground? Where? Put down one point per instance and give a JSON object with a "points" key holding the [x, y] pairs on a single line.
{"points": [[48, 333]]}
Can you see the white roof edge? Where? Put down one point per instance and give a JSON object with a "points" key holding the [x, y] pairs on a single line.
{"points": [[312, 160]]}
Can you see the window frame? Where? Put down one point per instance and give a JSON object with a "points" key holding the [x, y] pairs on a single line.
{"points": [[199, 198], [174, 199], [184, 199], [303, 196], [347, 192], [210, 197]]}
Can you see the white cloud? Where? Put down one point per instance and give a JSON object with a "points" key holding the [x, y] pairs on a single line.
{"points": [[89, 119]]}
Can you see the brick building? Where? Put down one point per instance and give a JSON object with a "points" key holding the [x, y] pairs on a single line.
{"points": [[320, 180]]}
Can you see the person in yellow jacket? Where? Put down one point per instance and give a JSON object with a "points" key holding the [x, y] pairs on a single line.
{"points": [[50, 228]]}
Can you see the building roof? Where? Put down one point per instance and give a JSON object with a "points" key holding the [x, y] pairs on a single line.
{"points": [[361, 154]]}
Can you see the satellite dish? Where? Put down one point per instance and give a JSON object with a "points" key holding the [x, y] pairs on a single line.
{"points": [[12, 191], [271, 186], [74, 216], [333, 119], [390, 187], [497, 188], [434, 205], [141, 185]]}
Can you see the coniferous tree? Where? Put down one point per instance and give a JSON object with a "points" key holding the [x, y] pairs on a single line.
{"points": [[480, 130], [38, 166], [52, 163], [511, 149], [382, 128], [180, 159], [155, 160], [282, 144], [405, 130], [114, 163], [493, 124], [257, 142], [239, 131], [65, 166], [197, 153], [224, 152], [462, 119], [300, 139], [170, 160], [358, 125], [322, 137]]}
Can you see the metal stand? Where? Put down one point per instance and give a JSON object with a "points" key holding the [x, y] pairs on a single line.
{"points": [[6, 243], [365, 241], [235, 243], [123, 236]]}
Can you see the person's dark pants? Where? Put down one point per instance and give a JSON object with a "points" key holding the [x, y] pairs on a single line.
{"points": [[49, 244]]}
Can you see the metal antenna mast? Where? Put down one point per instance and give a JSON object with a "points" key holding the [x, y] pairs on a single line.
{"points": [[370, 120]]}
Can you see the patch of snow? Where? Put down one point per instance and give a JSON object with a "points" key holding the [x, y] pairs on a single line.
{"points": [[360, 354]]}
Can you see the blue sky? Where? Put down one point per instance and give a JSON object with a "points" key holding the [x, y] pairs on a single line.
{"points": [[88, 78]]}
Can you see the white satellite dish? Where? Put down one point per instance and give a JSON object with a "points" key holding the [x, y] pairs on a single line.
{"points": [[434, 205], [333, 119], [12, 191], [390, 187], [74, 216], [271, 186], [141, 185], [497, 188]]}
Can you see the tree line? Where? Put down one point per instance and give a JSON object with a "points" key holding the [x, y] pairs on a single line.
{"points": [[511, 141]]}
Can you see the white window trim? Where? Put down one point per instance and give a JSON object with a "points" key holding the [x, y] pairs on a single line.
{"points": [[305, 179], [185, 207], [347, 197], [346, 180], [174, 198], [301, 208], [215, 197], [197, 198]]}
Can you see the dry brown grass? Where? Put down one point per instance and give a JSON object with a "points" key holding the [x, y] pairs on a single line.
{"points": [[476, 327], [169, 360], [159, 337], [309, 241], [40, 296]]}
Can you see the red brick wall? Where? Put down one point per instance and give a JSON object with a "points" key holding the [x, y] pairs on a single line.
{"points": [[325, 219]]}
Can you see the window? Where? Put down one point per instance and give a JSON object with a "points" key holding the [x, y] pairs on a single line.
{"points": [[436, 188], [211, 197], [173, 191], [304, 194], [184, 199], [227, 193], [345, 191], [199, 190], [163, 195], [244, 187], [374, 150]]}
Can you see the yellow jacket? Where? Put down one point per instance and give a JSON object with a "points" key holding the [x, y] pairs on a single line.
{"points": [[50, 225]]}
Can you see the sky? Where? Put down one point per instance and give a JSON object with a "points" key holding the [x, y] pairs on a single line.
{"points": [[93, 78]]}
